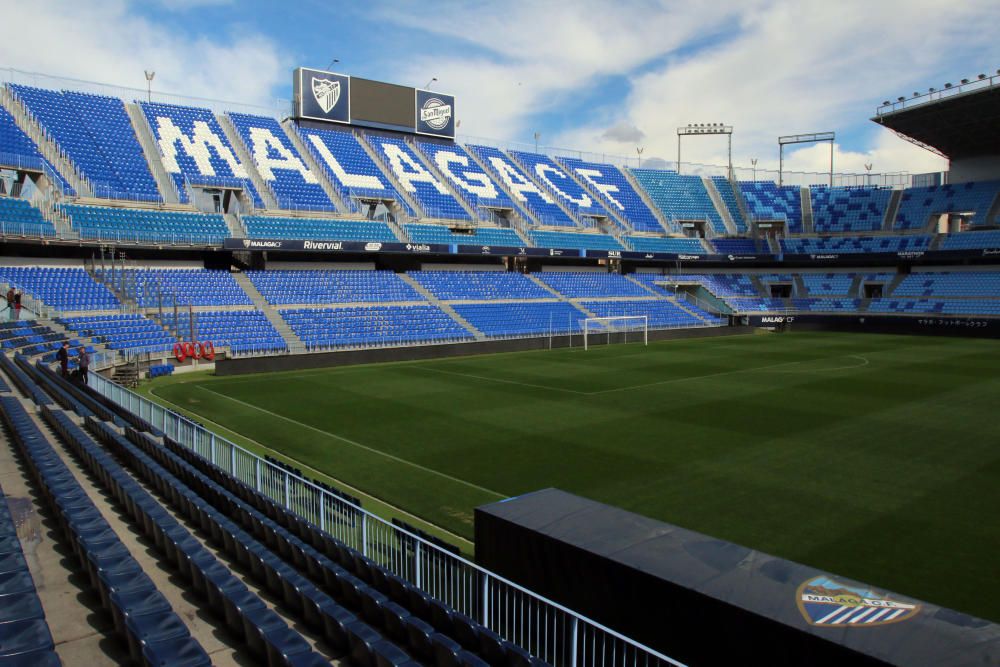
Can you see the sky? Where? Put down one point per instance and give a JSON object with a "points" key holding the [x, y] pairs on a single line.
{"points": [[600, 77]]}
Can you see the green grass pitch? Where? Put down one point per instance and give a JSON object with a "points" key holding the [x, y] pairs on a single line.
{"points": [[874, 457]]}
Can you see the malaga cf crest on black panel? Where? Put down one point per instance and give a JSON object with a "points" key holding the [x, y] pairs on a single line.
{"points": [[323, 95]]}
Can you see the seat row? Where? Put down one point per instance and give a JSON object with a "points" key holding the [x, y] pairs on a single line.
{"points": [[431, 631], [154, 633], [24, 634]]}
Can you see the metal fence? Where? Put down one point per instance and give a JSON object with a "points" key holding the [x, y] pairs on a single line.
{"points": [[548, 630]]}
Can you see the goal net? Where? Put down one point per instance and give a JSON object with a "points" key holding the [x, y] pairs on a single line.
{"points": [[620, 329]]}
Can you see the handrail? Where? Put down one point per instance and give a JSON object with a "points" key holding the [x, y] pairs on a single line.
{"points": [[483, 595]]}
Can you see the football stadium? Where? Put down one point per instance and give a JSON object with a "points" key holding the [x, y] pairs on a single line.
{"points": [[328, 382]]}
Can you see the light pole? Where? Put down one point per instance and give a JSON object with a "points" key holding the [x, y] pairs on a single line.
{"points": [[639, 151], [428, 85], [149, 84], [538, 135], [868, 168], [333, 62], [753, 161], [703, 129]]}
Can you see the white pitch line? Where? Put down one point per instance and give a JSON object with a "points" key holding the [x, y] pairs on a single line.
{"points": [[306, 466], [356, 444], [864, 362]]}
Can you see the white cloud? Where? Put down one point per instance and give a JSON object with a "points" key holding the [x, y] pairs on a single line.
{"points": [[105, 41]]}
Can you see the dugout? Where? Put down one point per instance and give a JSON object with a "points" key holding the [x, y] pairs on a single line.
{"points": [[702, 600]]}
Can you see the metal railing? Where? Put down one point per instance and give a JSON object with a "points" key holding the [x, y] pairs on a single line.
{"points": [[982, 82], [545, 628]]}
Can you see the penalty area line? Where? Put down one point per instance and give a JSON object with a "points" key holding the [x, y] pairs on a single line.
{"points": [[354, 443]]}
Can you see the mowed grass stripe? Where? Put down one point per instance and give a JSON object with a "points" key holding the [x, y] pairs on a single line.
{"points": [[852, 469]]}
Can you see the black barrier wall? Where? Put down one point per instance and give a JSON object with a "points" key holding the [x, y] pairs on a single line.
{"points": [[705, 601], [924, 325], [294, 362]]}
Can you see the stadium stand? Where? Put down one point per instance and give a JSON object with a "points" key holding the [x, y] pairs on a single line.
{"points": [[971, 241], [468, 179], [735, 246], [680, 196], [96, 134], [826, 305], [615, 191], [291, 182], [194, 287], [19, 217], [854, 244], [946, 284], [479, 285], [524, 191], [560, 185], [848, 209], [26, 634], [374, 326], [492, 236], [349, 168], [660, 314], [917, 205], [431, 195], [132, 333], [242, 331], [509, 320], [767, 201], [17, 150], [195, 149], [582, 240], [666, 244], [989, 307], [325, 287], [270, 227], [62, 288], [132, 225], [725, 188], [579, 285], [828, 284]]}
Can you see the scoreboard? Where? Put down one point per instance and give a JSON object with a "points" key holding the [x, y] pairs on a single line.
{"points": [[340, 98]]}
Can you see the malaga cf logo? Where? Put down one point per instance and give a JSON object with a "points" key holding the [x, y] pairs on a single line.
{"points": [[828, 603], [326, 93], [435, 113]]}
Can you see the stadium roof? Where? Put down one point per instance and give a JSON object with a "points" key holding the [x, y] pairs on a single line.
{"points": [[957, 122]]}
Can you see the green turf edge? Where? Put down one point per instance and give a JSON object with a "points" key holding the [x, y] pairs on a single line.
{"points": [[373, 504]]}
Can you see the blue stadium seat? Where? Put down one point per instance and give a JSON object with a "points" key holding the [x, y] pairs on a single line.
{"points": [[615, 192], [470, 182], [431, 195], [855, 209], [578, 285], [582, 240], [728, 194], [322, 229], [492, 236], [135, 225], [341, 286], [560, 185], [373, 326], [291, 182], [521, 188], [818, 245], [917, 205], [767, 201], [680, 196], [61, 288], [479, 285]]}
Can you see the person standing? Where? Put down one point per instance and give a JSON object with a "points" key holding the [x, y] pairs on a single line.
{"points": [[83, 359], [17, 304], [10, 302], [63, 356]]}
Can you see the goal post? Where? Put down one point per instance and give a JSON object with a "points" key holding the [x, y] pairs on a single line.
{"points": [[622, 324]]}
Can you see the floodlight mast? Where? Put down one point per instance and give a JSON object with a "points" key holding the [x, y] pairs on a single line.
{"points": [[702, 129], [813, 138]]}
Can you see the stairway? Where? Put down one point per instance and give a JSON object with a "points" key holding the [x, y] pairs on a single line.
{"points": [[544, 187], [774, 245], [61, 221], [398, 230], [898, 278], [165, 184], [520, 211], [476, 333], [800, 287], [741, 202], [310, 161], [668, 227], [855, 290], [891, 210], [234, 225], [388, 173], [616, 215], [720, 206], [294, 343], [640, 284], [807, 211], [243, 155], [758, 284], [46, 146]]}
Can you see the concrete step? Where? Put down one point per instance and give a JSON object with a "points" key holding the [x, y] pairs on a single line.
{"points": [[720, 206], [668, 227], [243, 155], [294, 343], [891, 210], [164, 182], [476, 333], [234, 225]]}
